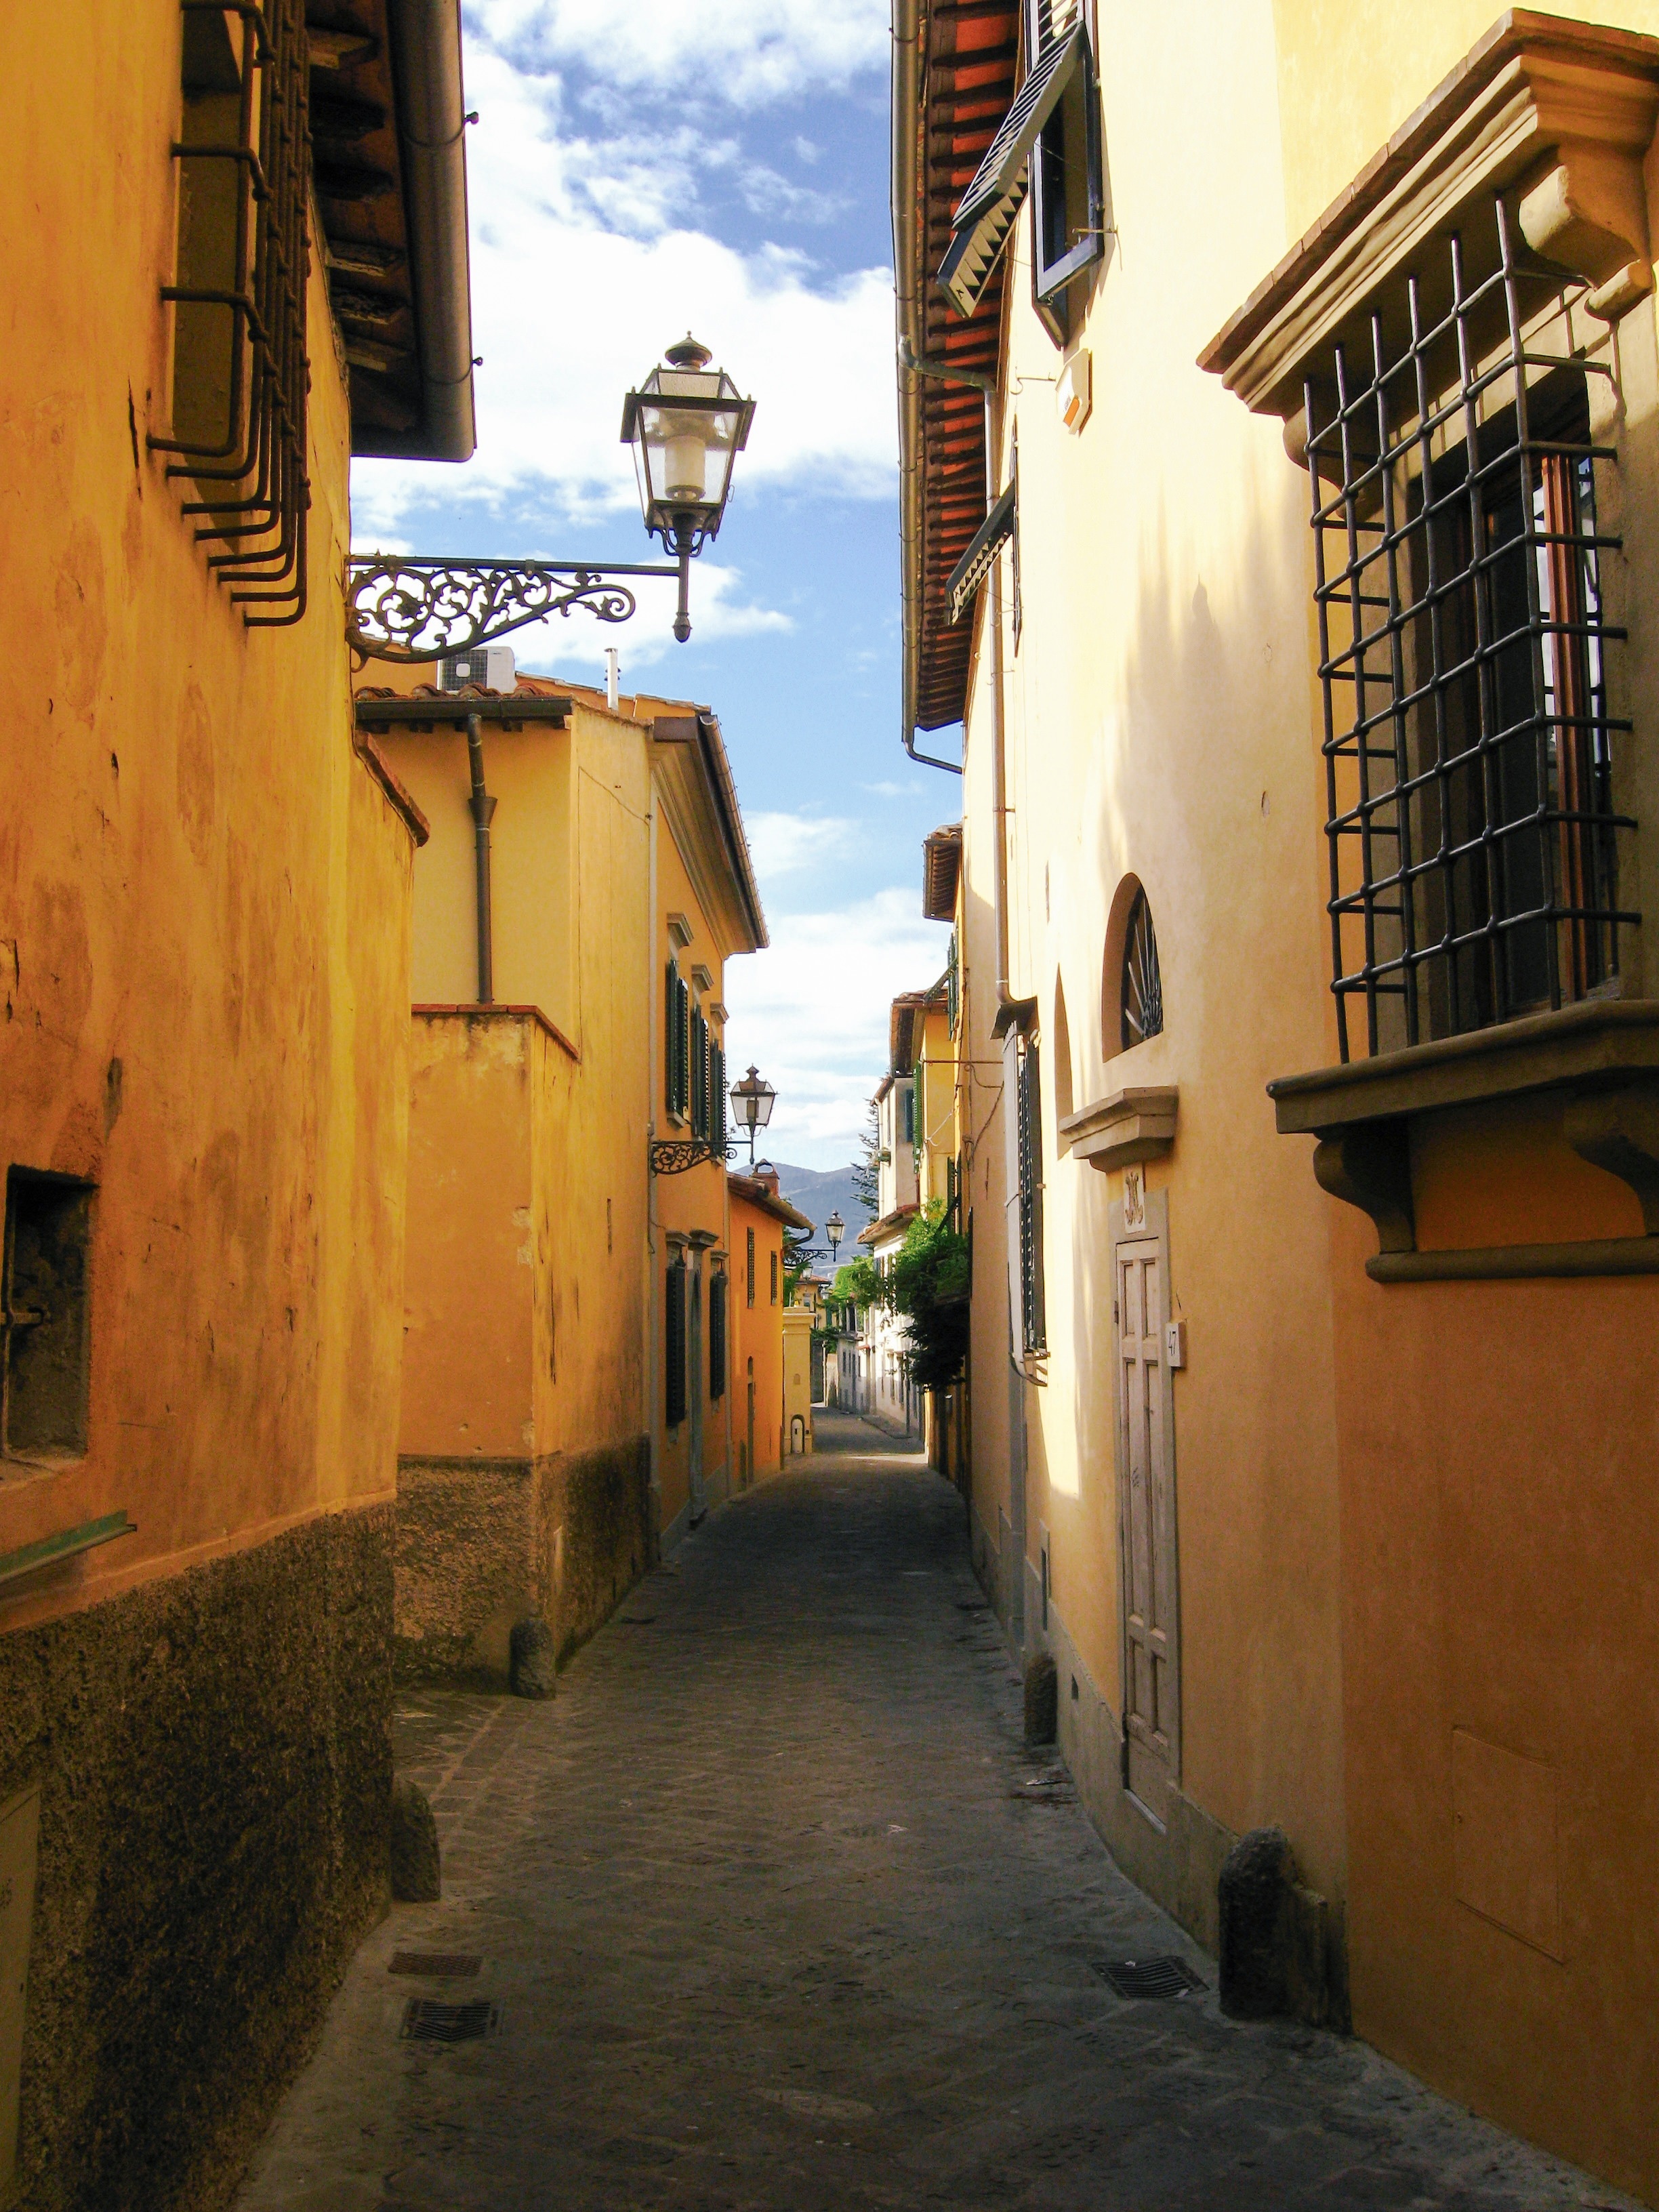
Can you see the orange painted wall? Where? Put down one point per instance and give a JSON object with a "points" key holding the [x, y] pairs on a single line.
{"points": [[204, 897]]}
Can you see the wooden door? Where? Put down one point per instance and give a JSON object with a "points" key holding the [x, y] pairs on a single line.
{"points": [[1147, 1528]]}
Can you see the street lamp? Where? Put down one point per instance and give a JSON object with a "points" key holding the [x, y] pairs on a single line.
{"points": [[752, 1101], [834, 1229], [686, 423]]}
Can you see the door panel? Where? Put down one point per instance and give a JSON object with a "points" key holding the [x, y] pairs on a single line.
{"points": [[1147, 1527]]}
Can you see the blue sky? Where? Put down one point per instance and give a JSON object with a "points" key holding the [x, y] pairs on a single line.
{"points": [[641, 167]]}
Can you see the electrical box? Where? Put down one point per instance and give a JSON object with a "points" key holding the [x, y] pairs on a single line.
{"points": [[1175, 1344], [1074, 390]]}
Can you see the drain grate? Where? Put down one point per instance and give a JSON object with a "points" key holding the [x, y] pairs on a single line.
{"points": [[433, 1962], [429, 2020], [1148, 1977]]}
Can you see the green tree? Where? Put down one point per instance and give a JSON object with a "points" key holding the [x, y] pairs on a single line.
{"points": [[866, 1169], [856, 1283], [929, 1286]]}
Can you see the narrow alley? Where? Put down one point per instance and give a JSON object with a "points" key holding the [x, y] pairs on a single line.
{"points": [[772, 1908]]}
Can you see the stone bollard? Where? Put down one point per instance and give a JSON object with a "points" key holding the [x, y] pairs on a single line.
{"points": [[1041, 1700], [417, 1873], [1273, 1934], [532, 1660]]}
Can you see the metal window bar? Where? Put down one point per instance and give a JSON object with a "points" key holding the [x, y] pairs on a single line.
{"points": [[1033, 1314], [260, 522], [1469, 748], [717, 1336]]}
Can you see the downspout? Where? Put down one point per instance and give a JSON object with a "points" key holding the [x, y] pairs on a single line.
{"points": [[483, 809]]}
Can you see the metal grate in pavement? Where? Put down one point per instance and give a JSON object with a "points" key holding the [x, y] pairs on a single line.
{"points": [[433, 1962], [429, 2020], [1148, 1977]]}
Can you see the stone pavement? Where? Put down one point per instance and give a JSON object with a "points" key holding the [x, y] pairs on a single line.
{"points": [[780, 1915]]}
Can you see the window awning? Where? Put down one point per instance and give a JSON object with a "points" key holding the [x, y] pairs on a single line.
{"points": [[982, 549], [985, 214]]}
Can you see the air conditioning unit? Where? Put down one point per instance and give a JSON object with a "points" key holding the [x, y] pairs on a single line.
{"points": [[492, 666]]}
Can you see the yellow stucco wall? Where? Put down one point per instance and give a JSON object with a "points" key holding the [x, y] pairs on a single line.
{"points": [[1405, 1513], [204, 897], [757, 1342], [527, 1180]]}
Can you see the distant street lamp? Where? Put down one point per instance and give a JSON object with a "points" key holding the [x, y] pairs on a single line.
{"points": [[752, 1101], [686, 423]]}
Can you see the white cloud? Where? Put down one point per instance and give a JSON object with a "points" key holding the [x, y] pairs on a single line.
{"points": [[780, 844], [813, 1012], [583, 269], [744, 53]]}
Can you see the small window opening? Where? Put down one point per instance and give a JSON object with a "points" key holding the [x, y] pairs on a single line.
{"points": [[1140, 997], [45, 1316]]}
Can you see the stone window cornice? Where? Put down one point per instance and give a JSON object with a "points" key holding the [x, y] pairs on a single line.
{"points": [[1559, 114]]}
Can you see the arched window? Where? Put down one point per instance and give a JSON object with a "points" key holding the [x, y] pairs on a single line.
{"points": [[1141, 987]]}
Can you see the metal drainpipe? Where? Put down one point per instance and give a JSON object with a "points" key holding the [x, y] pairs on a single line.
{"points": [[483, 809]]}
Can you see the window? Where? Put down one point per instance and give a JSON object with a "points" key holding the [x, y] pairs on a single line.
{"points": [[717, 1289], [907, 1110], [1141, 988], [1029, 1110], [750, 1235], [674, 1348], [699, 1073], [1068, 225], [1470, 754], [1059, 81], [241, 373], [953, 989], [45, 1316], [717, 1100], [676, 1040], [774, 1259]]}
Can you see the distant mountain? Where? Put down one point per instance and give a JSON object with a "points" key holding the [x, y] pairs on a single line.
{"points": [[820, 1192]]}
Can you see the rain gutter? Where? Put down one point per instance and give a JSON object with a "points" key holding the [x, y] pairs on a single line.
{"points": [[426, 47]]}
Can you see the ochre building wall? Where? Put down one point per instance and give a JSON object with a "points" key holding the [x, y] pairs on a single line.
{"points": [[204, 966]]}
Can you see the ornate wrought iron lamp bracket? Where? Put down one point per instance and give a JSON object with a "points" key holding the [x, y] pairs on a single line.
{"points": [[673, 1156], [409, 608]]}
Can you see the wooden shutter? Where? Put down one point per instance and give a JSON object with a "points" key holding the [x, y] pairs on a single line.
{"points": [[751, 1265], [699, 1075], [717, 1336], [675, 1348], [718, 1117], [670, 1034]]}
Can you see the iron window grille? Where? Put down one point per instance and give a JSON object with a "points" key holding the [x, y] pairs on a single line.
{"points": [[242, 373], [750, 1234], [953, 989], [717, 1294], [675, 1345], [1472, 773], [1029, 1106], [1141, 990]]}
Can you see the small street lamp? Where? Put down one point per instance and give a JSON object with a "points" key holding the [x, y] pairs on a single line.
{"points": [[752, 1101], [686, 423], [834, 1229]]}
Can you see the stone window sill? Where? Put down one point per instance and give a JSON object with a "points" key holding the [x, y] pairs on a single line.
{"points": [[1599, 1060], [1128, 1126]]}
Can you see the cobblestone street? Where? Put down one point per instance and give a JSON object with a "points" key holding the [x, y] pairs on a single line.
{"points": [[780, 1914]]}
